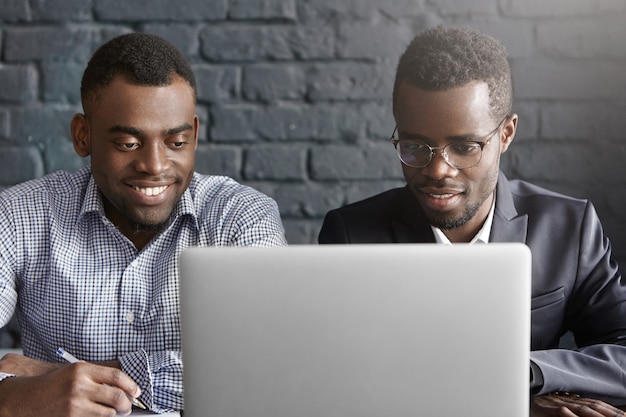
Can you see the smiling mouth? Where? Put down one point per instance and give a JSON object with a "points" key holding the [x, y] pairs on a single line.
{"points": [[150, 191], [440, 196]]}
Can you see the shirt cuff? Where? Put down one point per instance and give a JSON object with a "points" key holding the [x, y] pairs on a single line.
{"points": [[4, 376], [536, 378], [137, 366]]}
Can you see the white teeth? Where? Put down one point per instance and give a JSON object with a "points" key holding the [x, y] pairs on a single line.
{"points": [[441, 196], [150, 191]]}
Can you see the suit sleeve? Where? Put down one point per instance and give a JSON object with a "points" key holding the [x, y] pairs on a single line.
{"points": [[333, 229], [597, 317]]}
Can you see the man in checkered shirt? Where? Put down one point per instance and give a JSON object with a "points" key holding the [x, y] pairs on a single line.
{"points": [[88, 260]]}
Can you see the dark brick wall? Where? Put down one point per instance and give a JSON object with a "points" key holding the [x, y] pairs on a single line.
{"points": [[294, 95]]}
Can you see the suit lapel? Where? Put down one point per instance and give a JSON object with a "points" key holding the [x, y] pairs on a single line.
{"points": [[507, 225], [409, 225]]}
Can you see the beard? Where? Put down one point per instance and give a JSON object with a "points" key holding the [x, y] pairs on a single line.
{"points": [[155, 228], [445, 222]]}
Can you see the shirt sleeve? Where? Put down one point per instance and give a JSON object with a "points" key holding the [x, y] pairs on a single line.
{"points": [[160, 377], [595, 371], [8, 294], [250, 219], [597, 318]]}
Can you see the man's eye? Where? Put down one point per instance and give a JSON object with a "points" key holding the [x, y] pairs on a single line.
{"points": [[415, 147], [128, 146], [464, 148]]}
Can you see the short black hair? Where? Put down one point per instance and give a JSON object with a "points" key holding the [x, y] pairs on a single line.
{"points": [[141, 58], [443, 58]]}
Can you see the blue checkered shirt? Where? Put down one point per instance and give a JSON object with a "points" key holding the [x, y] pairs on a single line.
{"points": [[76, 282]]}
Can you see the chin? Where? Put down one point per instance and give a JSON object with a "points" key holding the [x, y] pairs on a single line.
{"points": [[447, 222], [152, 227]]}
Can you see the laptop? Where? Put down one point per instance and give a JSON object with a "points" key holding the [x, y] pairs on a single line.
{"points": [[356, 330]]}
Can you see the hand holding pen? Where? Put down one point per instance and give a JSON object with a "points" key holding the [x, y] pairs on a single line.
{"points": [[72, 359]]}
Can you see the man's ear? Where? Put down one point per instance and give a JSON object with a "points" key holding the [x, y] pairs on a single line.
{"points": [[196, 129], [81, 135], [508, 132]]}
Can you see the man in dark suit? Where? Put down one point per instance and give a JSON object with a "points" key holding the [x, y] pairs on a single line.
{"points": [[452, 105]]}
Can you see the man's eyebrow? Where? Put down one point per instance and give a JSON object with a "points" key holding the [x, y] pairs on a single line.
{"points": [[454, 138], [138, 132], [125, 129], [179, 129]]}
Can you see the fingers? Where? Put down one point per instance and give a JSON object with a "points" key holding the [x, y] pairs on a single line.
{"points": [[560, 404], [590, 407], [116, 378], [102, 385]]}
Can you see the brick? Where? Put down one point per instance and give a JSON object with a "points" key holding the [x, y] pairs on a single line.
{"points": [[517, 36], [378, 119], [615, 207], [219, 160], [60, 155], [466, 7], [560, 8], [305, 200], [19, 83], [270, 82], [183, 36], [61, 82], [49, 43], [262, 9], [154, 10], [232, 122], [358, 40], [287, 122], [347, 10], [250, 43], [529, 114], [301, 231], [590, 38], [312, 42], [589, 121], [275, 162], [4, 123], [61, 11], [18, 164], [560, 79], [359, 190], [41, 122], [350, 81], [311, 123], [216, 83], [15, 11], [568, 162], [203, 117], [352, 162]]}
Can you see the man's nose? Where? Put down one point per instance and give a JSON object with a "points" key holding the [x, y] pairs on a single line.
{"points": [[152, 159], [438, 167]]}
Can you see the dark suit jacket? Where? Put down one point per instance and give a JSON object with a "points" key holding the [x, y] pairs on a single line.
{"points": [[575, 284]]}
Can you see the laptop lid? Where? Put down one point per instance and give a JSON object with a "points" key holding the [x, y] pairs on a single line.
{"points": [[356, 330]]}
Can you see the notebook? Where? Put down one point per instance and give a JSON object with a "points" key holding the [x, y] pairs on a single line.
{"points": [[356, 330]]}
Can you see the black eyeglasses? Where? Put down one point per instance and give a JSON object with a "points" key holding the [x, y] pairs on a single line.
{"points": [[459, 155]]}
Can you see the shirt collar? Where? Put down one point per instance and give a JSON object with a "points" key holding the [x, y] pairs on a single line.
{"points": [[481, 237]]}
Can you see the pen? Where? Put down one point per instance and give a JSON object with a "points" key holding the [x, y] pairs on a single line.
{"points": [[72, 359]]}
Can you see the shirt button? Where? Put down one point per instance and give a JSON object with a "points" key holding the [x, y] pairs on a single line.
{"points": [[130, 317], [134, 263]]}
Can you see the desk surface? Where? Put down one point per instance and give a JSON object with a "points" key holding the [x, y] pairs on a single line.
{"points": [[5, 351]]}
